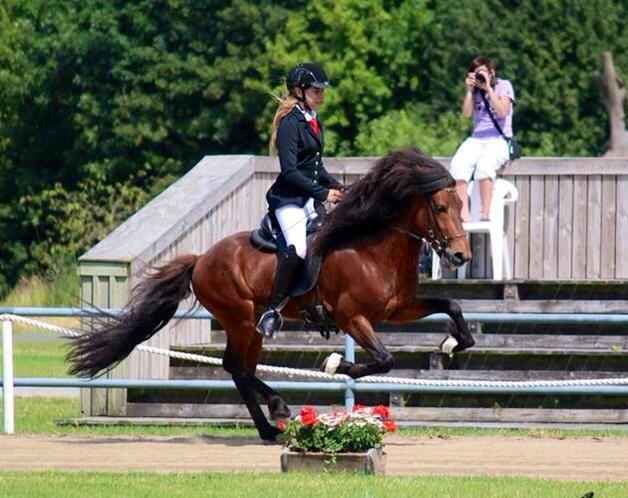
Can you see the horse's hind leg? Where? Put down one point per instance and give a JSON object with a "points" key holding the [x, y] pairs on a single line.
{"points": [[234, 362], [277, 407]]}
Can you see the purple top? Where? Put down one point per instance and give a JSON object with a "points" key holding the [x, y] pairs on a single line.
{"points": [[483, 126]]}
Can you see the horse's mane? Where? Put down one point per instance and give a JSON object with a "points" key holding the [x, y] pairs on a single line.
{"points": [[382, 195]]}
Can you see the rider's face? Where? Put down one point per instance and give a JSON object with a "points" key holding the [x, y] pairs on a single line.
{"points": [[314, 97]]}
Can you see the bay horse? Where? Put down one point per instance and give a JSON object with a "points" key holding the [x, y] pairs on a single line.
{"points": [[370, 245]]}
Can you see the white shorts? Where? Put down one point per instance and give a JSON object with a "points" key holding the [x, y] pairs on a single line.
{"points": [[484, 155], [293, 220]]}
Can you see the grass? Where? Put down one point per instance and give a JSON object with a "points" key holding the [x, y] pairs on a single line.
{"points": [[293, 485], [59, 287], [32, 358]]}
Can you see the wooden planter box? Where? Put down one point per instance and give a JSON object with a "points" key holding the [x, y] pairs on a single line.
{"points": [[371, 462]]}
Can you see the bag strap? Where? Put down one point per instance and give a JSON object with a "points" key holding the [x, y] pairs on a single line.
{"points": [[490, 113]]}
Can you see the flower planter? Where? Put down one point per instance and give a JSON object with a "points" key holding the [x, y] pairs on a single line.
{"points": [[371, 462]]}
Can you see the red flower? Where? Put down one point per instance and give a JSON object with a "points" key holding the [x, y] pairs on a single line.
{"points": [[281, 425], [357, 408], [308, 415], [389, 426], [382, 411]]}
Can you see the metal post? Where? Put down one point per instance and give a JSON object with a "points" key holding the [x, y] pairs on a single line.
{"points": [[7, 380], [349, 356]]}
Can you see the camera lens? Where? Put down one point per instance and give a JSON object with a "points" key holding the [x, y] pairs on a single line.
{"points": [[480, 78]]}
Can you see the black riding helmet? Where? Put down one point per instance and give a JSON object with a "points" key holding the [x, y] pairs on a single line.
{"points": [[307, 75]]}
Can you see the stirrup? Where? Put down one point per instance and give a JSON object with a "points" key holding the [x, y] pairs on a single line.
{"points": [[275, 326]]}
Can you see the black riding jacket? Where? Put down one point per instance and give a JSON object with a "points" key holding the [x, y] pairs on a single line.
{"points": [[300, 157]]}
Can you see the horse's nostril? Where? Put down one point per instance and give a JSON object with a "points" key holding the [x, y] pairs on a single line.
{"points": [[459, 256]]}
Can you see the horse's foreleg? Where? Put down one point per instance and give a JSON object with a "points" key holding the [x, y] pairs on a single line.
{"points": [[362, 331], [421, 308]]}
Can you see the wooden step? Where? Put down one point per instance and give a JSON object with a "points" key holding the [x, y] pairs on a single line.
{"points": [[218, 373], [511, 344], [548, 415]]}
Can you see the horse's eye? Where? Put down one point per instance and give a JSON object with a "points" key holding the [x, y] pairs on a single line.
{"points": [[441, 209]]}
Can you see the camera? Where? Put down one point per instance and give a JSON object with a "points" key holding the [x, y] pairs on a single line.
{"points": [[479, 77]]}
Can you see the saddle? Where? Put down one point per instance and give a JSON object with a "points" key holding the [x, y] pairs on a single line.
{"points": [[314, 313]]}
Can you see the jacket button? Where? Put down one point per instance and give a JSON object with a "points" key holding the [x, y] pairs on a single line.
{"points": [[315, 182], [318, 153]]}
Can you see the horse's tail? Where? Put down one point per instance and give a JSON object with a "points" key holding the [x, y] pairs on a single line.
{"points": [[153, 303]]}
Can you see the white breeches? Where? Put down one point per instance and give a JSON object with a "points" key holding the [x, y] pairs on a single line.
{"points": [[293, 220]]}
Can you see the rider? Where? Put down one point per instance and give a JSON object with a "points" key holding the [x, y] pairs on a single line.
{"points": [[302, 185]]}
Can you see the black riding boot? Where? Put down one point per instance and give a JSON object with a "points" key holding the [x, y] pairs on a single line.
{"points": [[287, 267]]}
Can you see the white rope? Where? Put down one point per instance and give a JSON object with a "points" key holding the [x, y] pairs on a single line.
{"points": [[299, 372]]}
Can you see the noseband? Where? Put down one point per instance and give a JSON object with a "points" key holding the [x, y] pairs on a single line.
{"points": [[435, 238]]}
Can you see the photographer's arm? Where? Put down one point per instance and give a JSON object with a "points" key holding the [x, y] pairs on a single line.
{"points": [[467, 104], [501, 103]]}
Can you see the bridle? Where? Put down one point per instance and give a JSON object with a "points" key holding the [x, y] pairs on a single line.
{"points": [[435, 238]]}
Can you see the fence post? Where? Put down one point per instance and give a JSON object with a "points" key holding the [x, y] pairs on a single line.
{"points": [[7, 376], [349, 356]]}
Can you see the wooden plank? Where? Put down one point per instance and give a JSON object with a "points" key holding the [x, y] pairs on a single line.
{"points": [[546, 306], [579, 244], [562, 416], [594, 226], [621, 230], [521, 247], [424, 414], [500, 345], [550, 228], [537, 215], [608, 244], [218, 373], [525, 166], [509, 220], [558, 166], [210, 410], [565, 226]]}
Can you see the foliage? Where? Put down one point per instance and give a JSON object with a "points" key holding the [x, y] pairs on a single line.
{"points": [[412, 126], [369, 50], [339, 431]]}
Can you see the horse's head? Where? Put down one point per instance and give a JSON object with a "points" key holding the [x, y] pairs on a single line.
{"points": [[439, 222]]}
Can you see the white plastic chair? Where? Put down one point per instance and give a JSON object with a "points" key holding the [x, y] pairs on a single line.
{"points": [[504, 194]]}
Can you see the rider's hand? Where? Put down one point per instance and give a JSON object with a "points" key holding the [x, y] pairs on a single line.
{"points": [[333, 196]]}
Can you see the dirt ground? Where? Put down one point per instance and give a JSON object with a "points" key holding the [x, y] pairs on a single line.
{"points": [[565, 459]]}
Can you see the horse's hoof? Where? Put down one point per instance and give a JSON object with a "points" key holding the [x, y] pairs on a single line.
{"points": [[278, 409], [448, 345], [331, 363], [269, 436]]}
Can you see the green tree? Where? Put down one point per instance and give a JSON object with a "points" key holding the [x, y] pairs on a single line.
{"points": [[368, 47]]}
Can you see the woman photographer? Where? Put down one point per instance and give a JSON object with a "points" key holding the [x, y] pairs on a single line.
{"points": [[303, 184], [487, 99]]}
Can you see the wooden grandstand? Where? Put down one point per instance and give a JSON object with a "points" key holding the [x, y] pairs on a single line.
{"points": [[568, 239]]}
